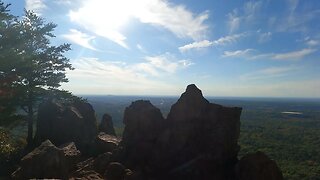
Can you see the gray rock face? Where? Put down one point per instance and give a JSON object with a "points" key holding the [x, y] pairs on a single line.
{"points": [[106, 125], [257, 166], [46, 161], [197, 128], [72, 154], [106, 143], [143, 124], [62, 124], [197, 135]]}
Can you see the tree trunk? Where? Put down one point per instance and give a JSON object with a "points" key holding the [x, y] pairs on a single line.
{"points": [[30, 119]]}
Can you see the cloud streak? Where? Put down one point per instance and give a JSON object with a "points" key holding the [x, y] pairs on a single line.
{"points": [[107, 18], [251, 55], [35, 5], [80, 38], [206, 43]]}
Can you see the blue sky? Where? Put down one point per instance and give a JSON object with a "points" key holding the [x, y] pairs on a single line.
{"points": [[266, 48]]}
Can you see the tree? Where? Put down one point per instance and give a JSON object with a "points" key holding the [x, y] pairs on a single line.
{"points": [[37, 67], [9, 29]]}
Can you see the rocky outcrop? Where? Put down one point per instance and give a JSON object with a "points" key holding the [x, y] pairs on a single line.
{"points": [[62, 124], [198, 140], [143, 125], [197, 135], [106, 143], [46, 161], [106, 125], [72, 154], [257, 166], [198, 131]]}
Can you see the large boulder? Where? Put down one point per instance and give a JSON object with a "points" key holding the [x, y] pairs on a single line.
{"points": [[143, 124], [72, 154], [106, 143], [106, 125], [66, 123], [257, 166], [198, 130], [46, 161], [198, 139]]}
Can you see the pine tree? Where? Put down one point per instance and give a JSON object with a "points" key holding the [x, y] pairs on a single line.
{"points": [[31, 69]]}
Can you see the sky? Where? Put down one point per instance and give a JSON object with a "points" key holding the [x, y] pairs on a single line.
{"points": [[267, 48]]}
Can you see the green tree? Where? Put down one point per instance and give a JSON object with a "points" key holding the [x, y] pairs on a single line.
{"points": [[9, 59], [43, 65], [32, 68]]}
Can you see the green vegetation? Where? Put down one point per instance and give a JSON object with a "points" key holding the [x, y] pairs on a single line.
{"points": [[31, 68], [292, 141]]}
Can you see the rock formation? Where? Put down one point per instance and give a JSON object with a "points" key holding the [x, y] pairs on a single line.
{"points": [[62, 124], [143, 124], [257, 166], [46, 161], [106, 125], [195, 132], [198, 140]]}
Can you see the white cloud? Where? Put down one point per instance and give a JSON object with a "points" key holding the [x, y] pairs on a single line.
{"points": [[268, 73], [312, 42], [166, 63], [35, 5], [293, 55], [196, 45], [115, 77], [80, 38], [107, 18], [206, 43], [247, 14], [238, 53], [234, 21], [264, 37]]}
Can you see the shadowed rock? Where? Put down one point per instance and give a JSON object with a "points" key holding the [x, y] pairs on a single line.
{"points": [[62, 124], [143, 124], [106, 125], [46, 161], [106, 143], [257, 166]]}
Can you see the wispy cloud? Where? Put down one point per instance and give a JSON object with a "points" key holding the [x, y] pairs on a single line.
{"points": [[312, 42], [264, 37], [167, 63], [196, 45], [293, 55], [245, 15], [35, 5], [118, 77], [206, 43], [106, 18], [296, 20], [80, 38], [268, 73], [237, 53]]}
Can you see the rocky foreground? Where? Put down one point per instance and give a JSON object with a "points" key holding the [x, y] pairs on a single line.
{"points": [[198, 140]]}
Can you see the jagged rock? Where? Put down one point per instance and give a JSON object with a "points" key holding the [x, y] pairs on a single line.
{"points": [[143, 124], [71, 153], [87, 175], [46, 161], [198, 140], [62, 124], [101, 162], [115, 171], [106, 143], [197, 129], [257, 166], [106, 125]]}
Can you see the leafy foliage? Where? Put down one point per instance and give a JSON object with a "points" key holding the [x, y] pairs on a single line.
{"points": [[31, 68]]}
